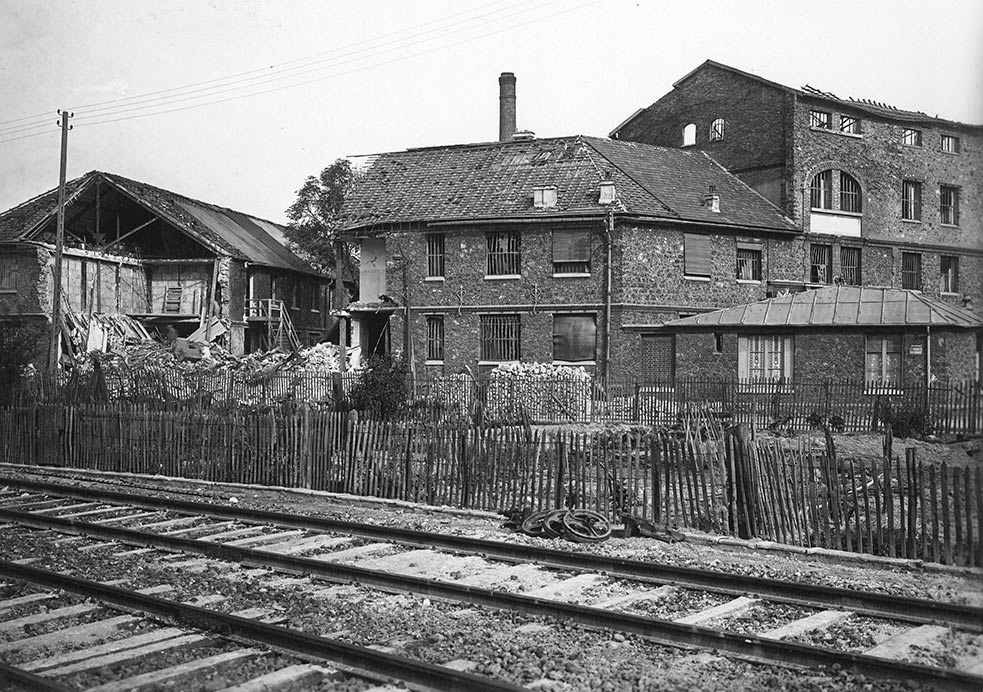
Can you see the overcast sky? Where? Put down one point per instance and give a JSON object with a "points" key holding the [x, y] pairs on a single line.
{"points": [[371, 76]]}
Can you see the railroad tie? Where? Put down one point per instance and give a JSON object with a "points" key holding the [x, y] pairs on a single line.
{"points": [[89, 512], [569, 590], [76, 634], [64, 508], [299, 676], [353, 553], [301, 545], [899, 645], [23, 600], [221, 526], [734, 607], [266, 538], [116, 655], [95, 653], [167, 523], [128, 517], [811, 623], [174, 674], [658, 594], [244, 532], [56, 614]]}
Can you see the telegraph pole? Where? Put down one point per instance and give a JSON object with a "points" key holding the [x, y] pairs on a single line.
{"points": [[59, 247]]}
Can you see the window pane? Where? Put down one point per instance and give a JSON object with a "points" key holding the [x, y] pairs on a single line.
{"points": [[500, 337], [821, 192], [749, 264], [571, 252], [574, 337], [911, 200], [503, 253], [850, 198], [850, 266]]}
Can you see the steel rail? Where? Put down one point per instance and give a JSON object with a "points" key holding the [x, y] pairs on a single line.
{"points": [[359, 658], [25, 678], [673, 633], [866, 603]]}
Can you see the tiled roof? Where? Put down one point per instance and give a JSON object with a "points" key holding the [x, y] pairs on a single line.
{"points": [[838, 306], [222, 230], [875, 108], [496, 180]]}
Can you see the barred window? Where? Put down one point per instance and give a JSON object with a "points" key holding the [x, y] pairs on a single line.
{"points": [[850, 266], [850, 197], [820, 263], [850, 125], [503, 253], [717, 129], [500, 337], [435, 337], [949, 204], [883, 360], [911, 200], [948, 274], [822, 190], [911, 271], [820, 119], [748, 264], [435, 254], [911, 137], [764, 357], [949, 144]]}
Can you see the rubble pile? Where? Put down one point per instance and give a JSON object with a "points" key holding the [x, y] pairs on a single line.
{"points": [[539, 392]]}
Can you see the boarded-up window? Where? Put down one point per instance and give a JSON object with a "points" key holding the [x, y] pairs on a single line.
{"points": [[571, 252], [435, 337], [574, 337], [765, 357], [696, 254], [8, 274], [658, 358], [500, 337]]}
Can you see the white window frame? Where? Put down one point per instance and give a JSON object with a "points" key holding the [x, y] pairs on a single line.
{"points": [[769, 345]]}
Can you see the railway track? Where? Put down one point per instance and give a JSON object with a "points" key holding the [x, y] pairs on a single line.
{"points": [[620, 595]]}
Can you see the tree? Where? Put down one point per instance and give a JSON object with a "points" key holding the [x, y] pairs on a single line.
{"points": [[315, 216]]}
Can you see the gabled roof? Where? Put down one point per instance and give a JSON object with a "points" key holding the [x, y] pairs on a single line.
{"points": [[223, 231], [875, 108], [495, 181], [837, 306]]}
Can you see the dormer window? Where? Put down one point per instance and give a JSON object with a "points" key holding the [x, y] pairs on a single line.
{"points": [[717, 130], [544, 197], [689, 135], [820, 119], [850, 125]]}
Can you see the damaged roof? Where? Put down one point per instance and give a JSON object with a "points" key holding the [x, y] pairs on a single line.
{"points": [[224, 231], [495, 181], [837, 306]]}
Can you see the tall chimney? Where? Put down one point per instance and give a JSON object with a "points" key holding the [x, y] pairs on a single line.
{"points": [[506, 106]]}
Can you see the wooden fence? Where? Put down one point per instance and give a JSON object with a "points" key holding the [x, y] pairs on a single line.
{"points": [[945, 407], [788, 490]]}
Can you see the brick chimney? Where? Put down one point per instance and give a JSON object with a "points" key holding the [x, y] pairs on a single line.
{"points": [[506, 106]]}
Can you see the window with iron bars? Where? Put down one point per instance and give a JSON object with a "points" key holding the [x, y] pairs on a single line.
{"points": [[911, 137], [504, 258], [435, 255], [717, 130], [911, 271], [500, 337], [821, 192], [949, 204], [850, 125], [850, 198], [911, 200], [820, 119], [948, 274], [850, 266], [820, 263], [949, 144], [435, 337], [748, 264]]}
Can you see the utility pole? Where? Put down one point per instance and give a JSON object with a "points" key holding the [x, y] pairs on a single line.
{"points": [[59, 246]]}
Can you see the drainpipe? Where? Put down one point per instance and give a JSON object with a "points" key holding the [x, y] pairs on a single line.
{"points": [[609, 237]]}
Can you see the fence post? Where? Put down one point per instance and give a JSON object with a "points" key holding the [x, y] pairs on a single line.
{"points": [[743, 517]]}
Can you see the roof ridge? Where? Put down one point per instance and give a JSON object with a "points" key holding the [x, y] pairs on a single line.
{"points": [[632, 178], [751, 189]]}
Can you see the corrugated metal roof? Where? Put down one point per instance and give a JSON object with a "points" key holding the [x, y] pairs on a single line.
{"points": [[838, 306]]}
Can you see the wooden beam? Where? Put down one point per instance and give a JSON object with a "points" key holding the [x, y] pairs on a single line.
{"points": [[129, 233]]}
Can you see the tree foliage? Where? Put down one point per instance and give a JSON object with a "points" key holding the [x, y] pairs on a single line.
{"points": [[381, 387], [315, 215]]}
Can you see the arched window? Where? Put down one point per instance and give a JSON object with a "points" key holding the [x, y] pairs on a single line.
{"points": [[847, 190], [717, 129], [850, 197], [821, 193], [689, 135]]}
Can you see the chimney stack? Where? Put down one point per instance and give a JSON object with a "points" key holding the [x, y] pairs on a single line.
{"points": [[506, 106]]}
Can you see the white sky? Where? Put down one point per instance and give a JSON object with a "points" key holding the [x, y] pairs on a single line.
{"points": [[394, 75]]}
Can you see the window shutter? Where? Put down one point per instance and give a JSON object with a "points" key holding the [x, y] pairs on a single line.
{"points": [[742, 362], [696, 253], [574, 337], [571, 246], [787, 352]]}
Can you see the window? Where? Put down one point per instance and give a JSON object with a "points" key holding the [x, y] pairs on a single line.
{"points": [[696, 255], [717, 129], [849, 125], [948, 274], [850, 266], [820, 263], [503, 253], [657, 359], [8, 275], [764, 357], [821, 192], [748, 264], [296, 288], [718, 342], [689, 135], [911, 200], [911, 137], [911, 271], [949, 204], [435, 338], [574, 338], [820, 119], [850, 198], [571, 252], [544, 197], [500, 337], [949, 144], [882, 365], [435, 255]]}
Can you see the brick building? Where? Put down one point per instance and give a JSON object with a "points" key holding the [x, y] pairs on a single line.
{"points": [[557, 250], [164, 259], [885, 197], [887, 338]]}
